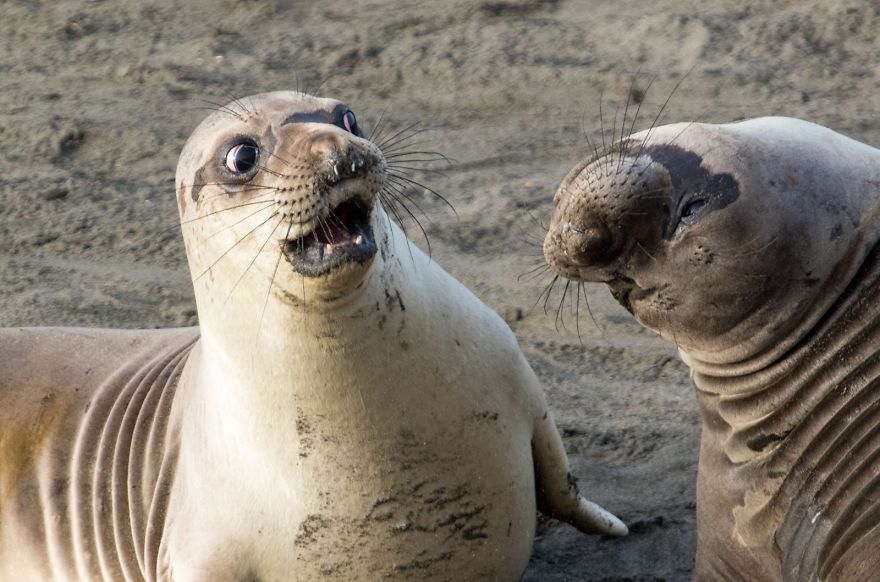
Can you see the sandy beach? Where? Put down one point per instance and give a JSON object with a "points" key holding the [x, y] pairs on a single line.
{"points": [[98, 96]]}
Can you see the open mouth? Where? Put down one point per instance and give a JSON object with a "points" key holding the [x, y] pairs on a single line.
{"points": [[344, 236], [625, 291]]}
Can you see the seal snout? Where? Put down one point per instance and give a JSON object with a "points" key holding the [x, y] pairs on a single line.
{"points": [[587, 242], [351, 164], [337, 230], [600, 210]]}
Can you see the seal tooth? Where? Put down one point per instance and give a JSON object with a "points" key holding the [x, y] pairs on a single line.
{"points": [[359, 239], [328, 249]]}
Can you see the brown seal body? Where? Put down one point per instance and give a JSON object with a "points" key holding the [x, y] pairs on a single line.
{"points": [[753, 247], [345, 411]]}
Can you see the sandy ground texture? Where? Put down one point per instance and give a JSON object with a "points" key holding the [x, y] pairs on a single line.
{"points": [[97, 98]]}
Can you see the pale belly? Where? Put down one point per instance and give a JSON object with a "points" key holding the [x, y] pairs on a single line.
{"points": [[457, 506]]}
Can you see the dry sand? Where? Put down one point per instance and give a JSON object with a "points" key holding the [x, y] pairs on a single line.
{"points": [[97, 97]]}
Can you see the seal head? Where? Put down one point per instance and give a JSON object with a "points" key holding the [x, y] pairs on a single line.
{"points": [[291, 172], [754, 248], [709, 237]]}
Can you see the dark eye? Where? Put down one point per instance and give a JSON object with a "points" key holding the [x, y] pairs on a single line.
{"points": [[690, 210], [349, 122], [242, 158]]}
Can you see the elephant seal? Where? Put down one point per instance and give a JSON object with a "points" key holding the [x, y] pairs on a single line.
{"points": [[753, 247], [345, 411]]}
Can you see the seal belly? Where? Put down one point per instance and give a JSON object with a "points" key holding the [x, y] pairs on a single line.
{"points": [[427, 505], [84, 450]]}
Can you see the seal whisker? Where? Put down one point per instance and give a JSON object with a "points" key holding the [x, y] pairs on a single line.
{"points": [[214, 212], [415, 218], [272, 172], [650, 131], [602, 119], [218, 107], [181, 223], [393, 146], [629, 93], [545, 291], [670, 142], [254, 260], [374, 134], [644, 250], [277, 157], [242, 191], [272, 279], [402, 190], [577, 312], [760, 249], [549, 292], [532, 222], [238, 101], [614, 136], [395, 176], [632, 126], [391, 202], [533, 273], [213, 109], [322, 224], [405, 146], [332, 216], [268, 205], [204, 184], [401, 169], [391, 140], [583, 289], [594, 149], [438, 156], [316, 89], [239, 241], [559, 309], [535, 220], [534, 244]]}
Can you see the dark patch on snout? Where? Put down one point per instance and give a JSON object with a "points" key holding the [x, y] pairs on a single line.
{"points": [[691, 180], [198, 183], [269, 140], [334, 116]]}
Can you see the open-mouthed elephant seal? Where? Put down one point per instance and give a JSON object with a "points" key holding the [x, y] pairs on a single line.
{"points": [[346, 411], [754, 247]]}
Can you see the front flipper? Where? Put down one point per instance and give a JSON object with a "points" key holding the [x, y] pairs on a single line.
{"points": [[557, 490]]}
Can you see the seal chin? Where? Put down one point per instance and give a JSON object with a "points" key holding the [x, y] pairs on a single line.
{"points": [[626, 291], [342, 238]]}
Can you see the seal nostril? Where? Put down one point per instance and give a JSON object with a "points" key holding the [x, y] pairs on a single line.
{"points": [[589, 243], [358, 161]]}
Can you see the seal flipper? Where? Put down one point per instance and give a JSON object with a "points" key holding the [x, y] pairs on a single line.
{"points": [[556, 489]]}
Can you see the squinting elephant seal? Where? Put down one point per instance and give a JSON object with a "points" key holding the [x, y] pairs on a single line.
{"points": [[754, 247]]}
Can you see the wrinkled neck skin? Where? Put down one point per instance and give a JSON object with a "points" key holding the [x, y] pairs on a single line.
{"points": [[791, 417]]}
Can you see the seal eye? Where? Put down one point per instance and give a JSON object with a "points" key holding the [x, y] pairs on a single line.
{"points": [[349, 122], [241, 158], [691, 209]]}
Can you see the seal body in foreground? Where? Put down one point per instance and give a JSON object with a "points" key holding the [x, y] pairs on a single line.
{"points": [[753, 247], [346, 411]]}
